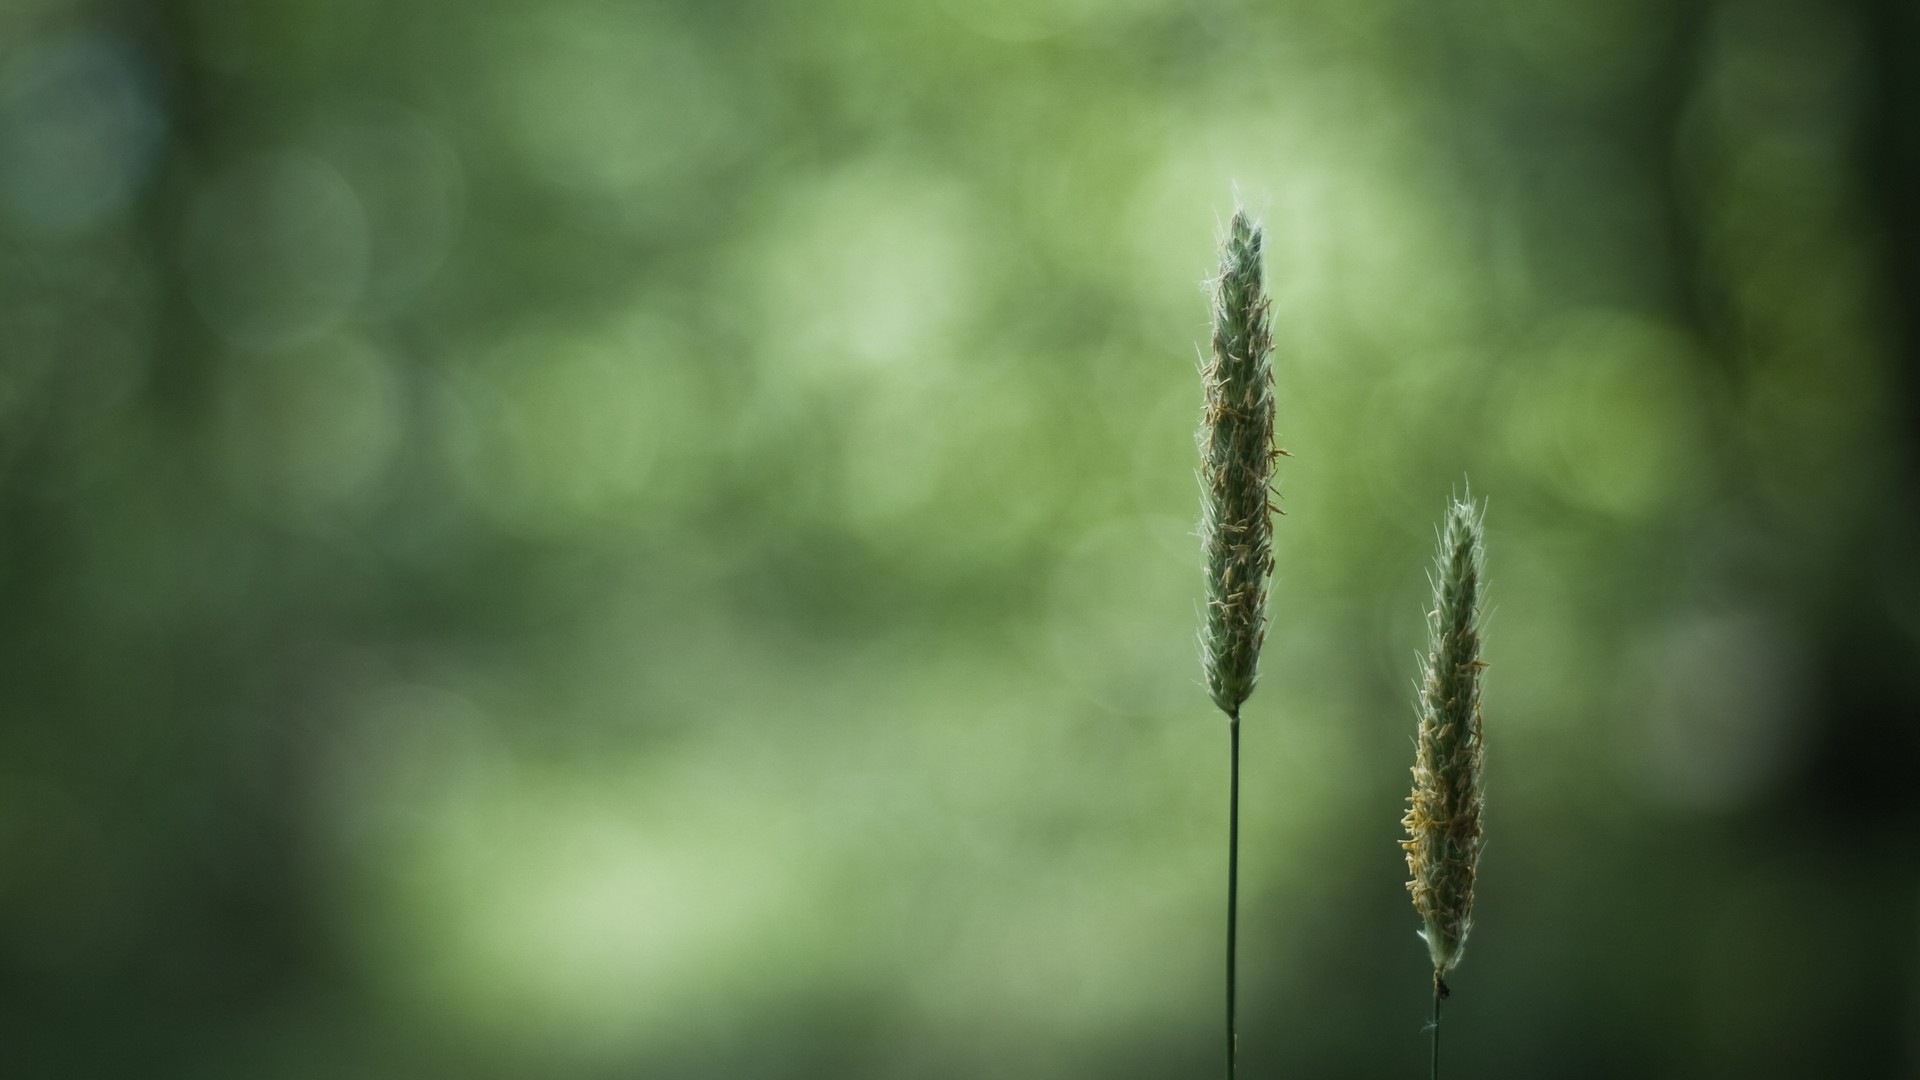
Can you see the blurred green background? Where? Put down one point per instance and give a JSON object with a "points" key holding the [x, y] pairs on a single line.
{"points": [[593, 539]]}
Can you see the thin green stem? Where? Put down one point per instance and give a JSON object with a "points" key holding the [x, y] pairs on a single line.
{"points": [[1233, 882], [1439, 992]]}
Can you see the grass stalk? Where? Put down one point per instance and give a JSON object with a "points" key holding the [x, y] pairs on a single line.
{"points": [[1439, 994], [1233, 891]]}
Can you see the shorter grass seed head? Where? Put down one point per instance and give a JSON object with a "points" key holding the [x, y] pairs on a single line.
{"points": [[1443, 818]]}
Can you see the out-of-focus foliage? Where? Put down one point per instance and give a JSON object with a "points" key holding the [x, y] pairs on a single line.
{"points": [[592, 539]]}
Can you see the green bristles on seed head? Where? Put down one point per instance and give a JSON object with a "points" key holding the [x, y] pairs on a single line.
{"points": [[1443, 820], [1236, 470]]}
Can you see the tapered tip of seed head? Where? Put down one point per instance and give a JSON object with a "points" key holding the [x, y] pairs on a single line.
{"points": [[1243, 228], [1465, 517], [1462, 542], [1241, 249]]}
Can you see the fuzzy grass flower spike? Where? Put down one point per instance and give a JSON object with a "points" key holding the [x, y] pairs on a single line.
{"points": [[1443, 817], [1237, 456]]}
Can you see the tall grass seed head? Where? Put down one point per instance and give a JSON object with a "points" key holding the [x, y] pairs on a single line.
{"points": [[1236, 471]]}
